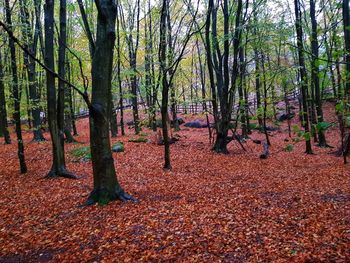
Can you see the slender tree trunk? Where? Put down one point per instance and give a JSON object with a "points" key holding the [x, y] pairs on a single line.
{"points": [[265, 99], [148, 74], [55, 124], [121, 99], [240, 92], [87, 27], [3, 111], [258, 87], [31, 44], [315, 73], [165, 85], [346, 23], [28, 106], [134, 99], [113, 120], [171, 72], [16, 93], [69, 118], [303, 76], [202, 77]]}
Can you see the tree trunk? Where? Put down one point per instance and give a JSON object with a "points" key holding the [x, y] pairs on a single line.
{"points": [[240, 92], [3, 111], [346, 23], [16, 93], [315, 73], [120, 79], [202, 77], [31, 44], [69, 122], [55, 124], [165, 85], [113, 120], [106, 185], [303, 76]]}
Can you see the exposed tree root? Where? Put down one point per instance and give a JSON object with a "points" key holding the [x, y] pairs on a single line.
{"points": [[325, 146], [102, 196], [54, 173]]}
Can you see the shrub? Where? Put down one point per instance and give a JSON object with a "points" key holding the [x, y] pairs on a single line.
{"points": [[81, 153]]}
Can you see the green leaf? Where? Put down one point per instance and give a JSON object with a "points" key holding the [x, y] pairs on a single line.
{"points": [[323, 126], [289, 148], [307, 136]]}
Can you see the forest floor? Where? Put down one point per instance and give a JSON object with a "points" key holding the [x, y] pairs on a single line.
{"points": [[291, 207]]}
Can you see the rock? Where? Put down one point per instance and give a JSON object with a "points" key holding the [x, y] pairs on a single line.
{"points": [[130, 123], [270, 128], [179, 120], [118, 147], [284, 117], [257, 141], [195, 124]]}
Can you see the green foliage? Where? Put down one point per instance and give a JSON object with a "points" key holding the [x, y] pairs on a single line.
{"points": [[81, 153], [323, 126], [254, 126], [340, 107], [232, 125], [138, 140], [296, 139], [289, 148], [307, 136], [295, 128], [260, 112]]}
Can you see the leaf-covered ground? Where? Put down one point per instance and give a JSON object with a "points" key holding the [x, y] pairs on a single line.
{"points": [[291, 207]]}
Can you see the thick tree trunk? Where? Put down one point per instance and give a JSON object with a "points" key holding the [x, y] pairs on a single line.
{"points": [[16, 94], [221, 140], [106, 186]]}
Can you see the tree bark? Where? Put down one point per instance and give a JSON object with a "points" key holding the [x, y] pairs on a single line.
{"points": [[3, 110], [106, 185], [120, 79], [346, 24], [16, 93], [55, 124], [165, 84], [30, 44], [113, 120], [315, 73], [303, 75]]}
